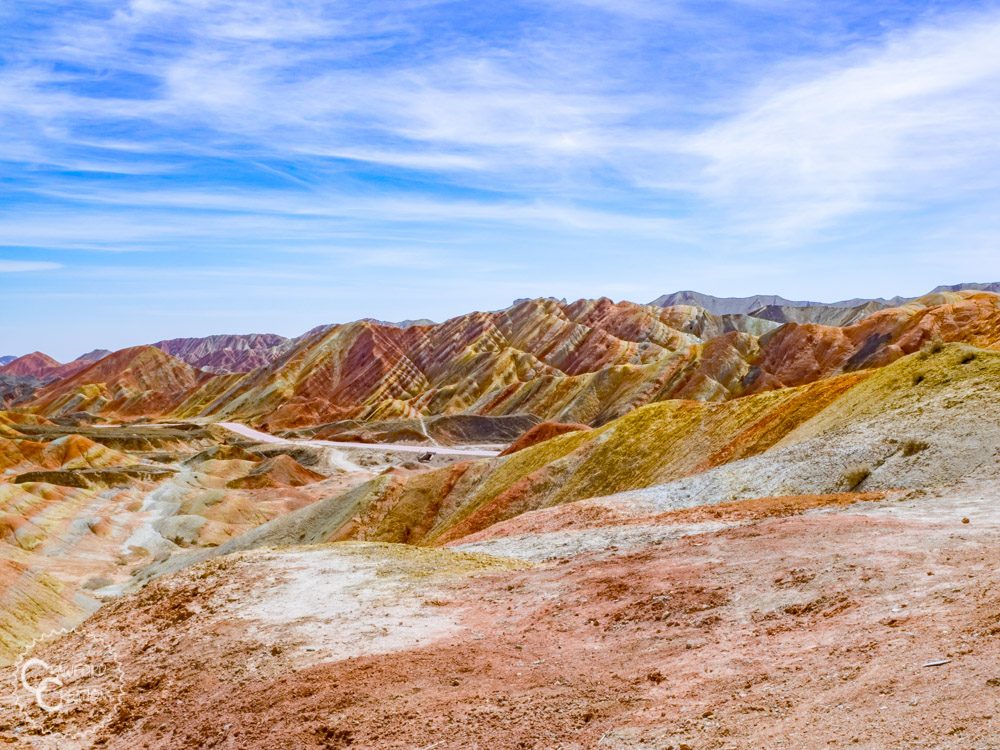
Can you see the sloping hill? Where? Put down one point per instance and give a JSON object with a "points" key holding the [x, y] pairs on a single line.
{"points": [[34, 365], [879, 429], [588, 361], [227, 353], [925, 421], [69, 452], [801, 353], [139, 381]]}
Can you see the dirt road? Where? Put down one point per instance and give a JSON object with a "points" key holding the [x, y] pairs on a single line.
{"points": [[263, 437]]}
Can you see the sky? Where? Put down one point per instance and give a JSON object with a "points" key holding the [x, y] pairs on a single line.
{"points": [[185, 167]]}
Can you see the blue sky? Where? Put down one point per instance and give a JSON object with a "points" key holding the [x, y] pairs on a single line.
{"points": [[185, 167]]}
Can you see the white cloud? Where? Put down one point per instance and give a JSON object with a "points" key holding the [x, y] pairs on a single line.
{"points": [[147, 219], [552, 125], [912, 123], [22, 266]]}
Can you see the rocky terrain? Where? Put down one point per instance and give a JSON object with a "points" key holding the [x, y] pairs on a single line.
{"points": [[560, 525], [589, 361], [227, 354]]}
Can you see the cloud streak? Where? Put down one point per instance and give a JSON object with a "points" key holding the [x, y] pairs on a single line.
{"points": [[25, 266], [909, 124], [613, 138]]}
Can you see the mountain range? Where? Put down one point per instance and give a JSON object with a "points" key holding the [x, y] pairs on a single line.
{"points": [[662, 526], [754, 303], [228, 353], [588, 361]]}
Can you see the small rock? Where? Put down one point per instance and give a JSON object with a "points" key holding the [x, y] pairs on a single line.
{"points": [[937, 662], [965, 520]]}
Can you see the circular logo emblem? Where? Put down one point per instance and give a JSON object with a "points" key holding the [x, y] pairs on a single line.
{"points": [[67, 683]]}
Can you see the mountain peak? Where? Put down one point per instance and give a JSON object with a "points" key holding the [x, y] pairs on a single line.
{"points": [[36, 364]]}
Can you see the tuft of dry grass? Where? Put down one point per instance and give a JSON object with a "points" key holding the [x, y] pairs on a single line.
{"points": [[856, 477], [913, 447]]}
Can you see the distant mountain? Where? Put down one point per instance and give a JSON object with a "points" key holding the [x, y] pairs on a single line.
{"points": [[142, 380], [749, 305], [77, 365], [227, 353], [41, 368], [828, 315], [726, 305], [772, 305], [401, 323], [93, 356], [34, 365], [7, 359], [993, 286]]}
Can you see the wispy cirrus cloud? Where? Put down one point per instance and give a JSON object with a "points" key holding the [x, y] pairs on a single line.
{"points": [[25, 266], [906, 125], [636, 135], [523, 114]]}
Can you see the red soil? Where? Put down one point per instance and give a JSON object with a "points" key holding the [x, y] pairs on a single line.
{"points": [[280, 471], [596, 514], [542, 432], [802, 632]]}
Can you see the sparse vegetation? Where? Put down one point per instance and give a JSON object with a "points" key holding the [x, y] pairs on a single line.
{"points": [[856, 477], [913, 447]]}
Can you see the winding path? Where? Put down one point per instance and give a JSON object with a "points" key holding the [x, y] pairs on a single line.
{"points": [[263, 437]]}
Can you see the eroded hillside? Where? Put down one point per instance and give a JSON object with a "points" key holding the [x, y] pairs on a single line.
{"points": [[802, 546], [590, 361]]}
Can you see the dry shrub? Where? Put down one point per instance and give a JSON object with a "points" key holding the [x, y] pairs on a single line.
{"points": [[855, 477]]}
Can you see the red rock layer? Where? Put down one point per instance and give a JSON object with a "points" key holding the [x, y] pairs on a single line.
{"points": [[542, 432], [801, 353], [590, 361], [34, 365], [137, 381]]}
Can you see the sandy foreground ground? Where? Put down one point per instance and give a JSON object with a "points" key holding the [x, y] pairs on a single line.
{"points": [[797, 623]]}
